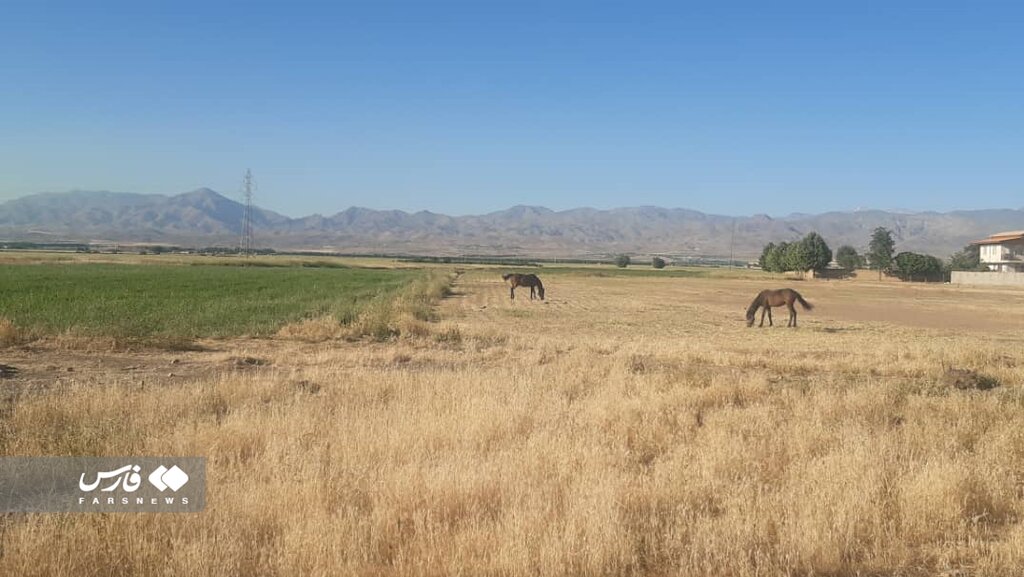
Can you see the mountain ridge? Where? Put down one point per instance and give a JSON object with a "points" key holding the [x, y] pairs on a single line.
{"points": [[206, 217]]}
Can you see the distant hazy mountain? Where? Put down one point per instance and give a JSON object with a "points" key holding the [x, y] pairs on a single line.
{"points": [[201, 215], [204, 217]]}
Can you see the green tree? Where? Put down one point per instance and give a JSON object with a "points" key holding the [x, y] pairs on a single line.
{"points": [[796, 256], [880, 250], [969, 258], [765, 252], [848, 258], [622, 261], [776, 258], [815, 253], [809, 253], [913, 266], [658, 262]]}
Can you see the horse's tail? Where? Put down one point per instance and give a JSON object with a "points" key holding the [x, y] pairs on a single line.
{"points": [[807, 306]]}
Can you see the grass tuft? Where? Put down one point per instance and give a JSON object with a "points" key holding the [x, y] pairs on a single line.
{"points": [[10, 335], [386, 318]]}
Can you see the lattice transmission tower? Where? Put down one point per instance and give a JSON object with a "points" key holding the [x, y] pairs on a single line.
{"points": [[246, 246], [732, 242]]}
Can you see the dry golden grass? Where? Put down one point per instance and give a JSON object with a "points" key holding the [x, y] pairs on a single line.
{"points": [[623, 426], [9, 333], [387, 317], [313, 330]]}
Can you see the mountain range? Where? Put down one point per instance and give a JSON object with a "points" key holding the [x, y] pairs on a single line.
{"points": [[205, 218]]}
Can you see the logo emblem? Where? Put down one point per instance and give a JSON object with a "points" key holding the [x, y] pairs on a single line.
{"points": [[163, 478]]}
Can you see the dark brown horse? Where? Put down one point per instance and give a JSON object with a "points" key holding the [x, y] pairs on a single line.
{"points": [[776, 298], [525, 280]]}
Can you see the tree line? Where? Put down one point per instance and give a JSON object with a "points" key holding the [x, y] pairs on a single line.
{"points": [[813, 253]]}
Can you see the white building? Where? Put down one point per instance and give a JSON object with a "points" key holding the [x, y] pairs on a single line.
{"points": [[1003, 251]]}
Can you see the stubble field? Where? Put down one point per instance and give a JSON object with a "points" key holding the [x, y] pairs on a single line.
{"points": [[626, 425]]}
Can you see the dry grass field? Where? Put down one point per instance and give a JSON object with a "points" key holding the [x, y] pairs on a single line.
{"points": [[624, 426]]}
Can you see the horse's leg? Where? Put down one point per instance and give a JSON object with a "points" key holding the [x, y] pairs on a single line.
{"points": [[533, 290], [763, 312], [792, 315], [513, 293], [771, 322]]}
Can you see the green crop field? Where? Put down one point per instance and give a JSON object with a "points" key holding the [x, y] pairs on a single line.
{"points": [[168, 301]]}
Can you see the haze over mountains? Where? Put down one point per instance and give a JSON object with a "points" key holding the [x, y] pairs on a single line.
{"points": [[206, 218]]}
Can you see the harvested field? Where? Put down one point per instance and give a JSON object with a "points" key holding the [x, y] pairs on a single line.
{"points": [[626, 425]]}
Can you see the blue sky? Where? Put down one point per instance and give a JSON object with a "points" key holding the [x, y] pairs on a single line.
{"points": [[469, 107]]}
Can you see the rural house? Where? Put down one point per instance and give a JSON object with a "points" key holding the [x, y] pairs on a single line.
{"points": [[1003, 251]]}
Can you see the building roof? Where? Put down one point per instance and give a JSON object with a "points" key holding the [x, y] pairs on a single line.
{"points": [[1001, 237]]}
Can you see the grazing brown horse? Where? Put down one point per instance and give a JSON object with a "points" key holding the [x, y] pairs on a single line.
{"points": [[529, 280], [776, 298]]}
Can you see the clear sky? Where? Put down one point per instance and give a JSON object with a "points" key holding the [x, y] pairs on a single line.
{"points": [[468, 107]]}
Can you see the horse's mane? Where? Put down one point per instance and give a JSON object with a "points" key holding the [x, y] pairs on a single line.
{"points": [[755, 303]]}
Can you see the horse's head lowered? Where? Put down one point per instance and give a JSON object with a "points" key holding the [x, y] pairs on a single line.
{"points": [[540, 291], [752, 310]]}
